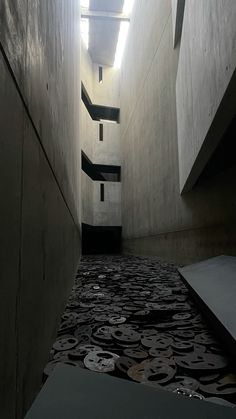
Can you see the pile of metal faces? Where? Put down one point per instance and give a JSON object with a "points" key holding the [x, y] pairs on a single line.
{"points": [[132, 318]]}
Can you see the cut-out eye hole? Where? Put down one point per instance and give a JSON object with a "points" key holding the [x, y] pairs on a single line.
{"points": [[106, 356]]}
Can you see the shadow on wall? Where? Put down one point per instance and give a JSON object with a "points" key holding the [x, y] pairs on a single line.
{"points": [[101, 240]]}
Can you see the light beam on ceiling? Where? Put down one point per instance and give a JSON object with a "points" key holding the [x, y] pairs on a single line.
{"points": [[85, 24], [123, 34], [85, 4]]}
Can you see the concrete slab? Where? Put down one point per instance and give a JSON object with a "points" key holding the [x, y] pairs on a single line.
{"points": [[213, 284], [75, 393]]}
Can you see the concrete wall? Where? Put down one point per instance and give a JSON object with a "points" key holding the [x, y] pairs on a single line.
{"points": [[106, 93], [206, 68], [39, 186], [87, 199], [89, 130], [156, 218], [107, 213], [107, 152]]}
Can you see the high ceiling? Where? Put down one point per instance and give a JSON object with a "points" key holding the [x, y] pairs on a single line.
{"points": [[103, 33]]}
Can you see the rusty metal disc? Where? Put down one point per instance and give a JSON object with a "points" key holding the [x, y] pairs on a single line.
{"points": [[114, 320], [81, 351], [183, 334], [69, 315], [145, 372], [159, 341], [202, 362], [125, 335], [182, 381], [224, 386], [124, 363], [100, 361], [182, 346], [65, 344], [205, 338], [103, 333], [61, 356], [182, 316], [156, 352], [135, 353]]}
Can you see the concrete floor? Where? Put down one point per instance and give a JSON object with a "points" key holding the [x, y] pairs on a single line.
{"points": [[132, 317]]}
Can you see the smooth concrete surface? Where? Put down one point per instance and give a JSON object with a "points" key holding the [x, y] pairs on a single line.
{"points": [[44, 53], [207, 64], [154, 213], [87, 215], [183, 247], [108, 151], [106, 93], [107, 213], [72, 393], [95, 212], [213, 282], [40, 236]]}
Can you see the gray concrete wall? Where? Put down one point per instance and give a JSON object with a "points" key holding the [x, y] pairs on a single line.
{"points": [[87, 216], [107, 151], [156, 219], [39, 187], [207, 65], [107, 213]]}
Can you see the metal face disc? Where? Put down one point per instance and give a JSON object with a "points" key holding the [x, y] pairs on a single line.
{"points": [[117, 320], [67, 325], [183, 334], [136, 353], [207, 379], [81, 351], [183, 346], [158, 341], [201, 362], [124, 363], [103, 334], [69, 316], [182, 316], [48, 370], [224, 386], [126, 336], [205, 338], [161, 374], [61, 356], [186, 382], [156, 352], [100, 361], [149, 332], [64, 344]]}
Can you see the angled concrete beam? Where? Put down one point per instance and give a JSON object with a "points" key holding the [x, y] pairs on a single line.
{"points": [[118, 17]]}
